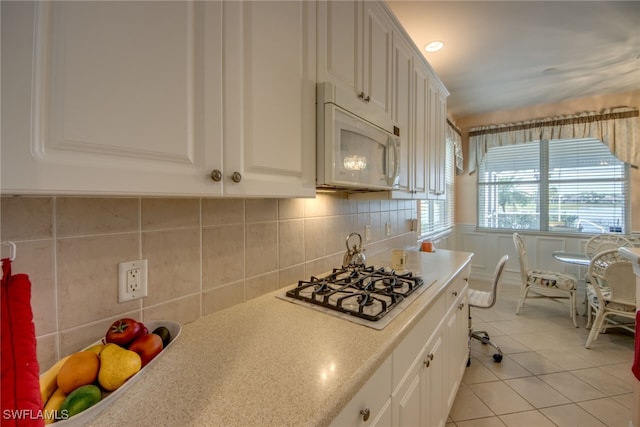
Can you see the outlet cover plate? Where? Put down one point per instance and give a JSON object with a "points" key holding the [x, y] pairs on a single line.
{"points": [[367, 233], [128, 271]]}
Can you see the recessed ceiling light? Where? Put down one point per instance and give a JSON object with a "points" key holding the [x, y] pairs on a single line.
{"points": [[434, 46]]}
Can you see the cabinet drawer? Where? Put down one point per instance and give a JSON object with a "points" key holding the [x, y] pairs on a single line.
{"points": [[454, 290], [408, 349], [372, 398]]}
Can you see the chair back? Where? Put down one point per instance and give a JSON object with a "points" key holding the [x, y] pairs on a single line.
{"points": [[622, 282], [603, 242], [615, 273], [497, 279], [522, 256], [487, 299]]}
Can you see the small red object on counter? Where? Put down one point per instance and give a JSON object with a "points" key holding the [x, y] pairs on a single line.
{"points": [[427, 246]]}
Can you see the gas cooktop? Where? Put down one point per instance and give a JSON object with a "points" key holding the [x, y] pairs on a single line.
{"points": [[370, 296]]}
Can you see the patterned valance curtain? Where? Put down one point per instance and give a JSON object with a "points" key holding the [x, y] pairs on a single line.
{"points": [[618, 128], [455, 135]]}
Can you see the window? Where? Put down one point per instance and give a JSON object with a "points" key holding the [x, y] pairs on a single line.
{"points": [[437, 216], [570, 185]]}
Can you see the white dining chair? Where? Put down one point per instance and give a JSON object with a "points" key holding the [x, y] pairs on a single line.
{"points": [[611, 294], [597, 244], [602, 242], [544, 283]]}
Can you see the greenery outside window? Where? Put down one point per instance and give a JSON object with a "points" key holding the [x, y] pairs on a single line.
{"points": [[438, 216], [570, 185]]}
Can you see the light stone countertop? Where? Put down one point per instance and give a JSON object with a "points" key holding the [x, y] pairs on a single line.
{"points": [[268, 362]]}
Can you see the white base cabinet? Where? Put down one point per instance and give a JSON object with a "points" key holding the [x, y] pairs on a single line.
{"points": [[417, 384], [457, 340], [427, 391], [152, 97], [418, 401]]}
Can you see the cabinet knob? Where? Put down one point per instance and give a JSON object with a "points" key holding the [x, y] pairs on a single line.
{"points": [[454, 293], [367, 99], [236, 177], [365, 414], [361, 95], [460, 306], [427, 362], [216, 175]]}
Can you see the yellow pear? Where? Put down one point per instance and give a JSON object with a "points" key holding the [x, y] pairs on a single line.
{"points": [[117, 365]]}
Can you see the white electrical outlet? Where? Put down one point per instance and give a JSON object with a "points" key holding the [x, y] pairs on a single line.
{"points": [[387, 229], [367, 233], [132, 280]]}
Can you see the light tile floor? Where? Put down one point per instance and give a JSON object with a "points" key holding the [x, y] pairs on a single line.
{"points": [[547, 377]]}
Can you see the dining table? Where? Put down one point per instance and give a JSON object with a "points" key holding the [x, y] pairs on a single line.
{"points": [[577, 258]]}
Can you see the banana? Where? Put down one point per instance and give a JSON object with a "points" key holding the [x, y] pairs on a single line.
{"points": [[53, 406], [48, 380]]}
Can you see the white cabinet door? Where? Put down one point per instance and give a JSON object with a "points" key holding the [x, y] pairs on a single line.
{"points": [[433, 380], [269, 98], [355, 51], [402, 110], [457, 332], [377, 56], [384, 416], [421, 130], [339, 44], [419, 399], [410, 111], [408, 401], [436, 143], [143, 98], [112, 104]]}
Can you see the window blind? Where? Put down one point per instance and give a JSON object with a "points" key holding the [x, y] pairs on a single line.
{"points": [[437, 216], [569, 185]]}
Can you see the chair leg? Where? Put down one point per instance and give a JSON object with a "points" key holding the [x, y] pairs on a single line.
{"points": [[523, 296], [595, 329], [484, 338], [573, 308], [589, 315]]}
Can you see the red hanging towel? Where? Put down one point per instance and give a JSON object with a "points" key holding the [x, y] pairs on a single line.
{"points": [[636, 359], [21, 402]]}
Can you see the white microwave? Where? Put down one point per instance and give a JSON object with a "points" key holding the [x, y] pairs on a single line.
{"points": [[358, 147]]}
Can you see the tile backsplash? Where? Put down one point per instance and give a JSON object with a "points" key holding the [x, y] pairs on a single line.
{"points": [[204, 255]]}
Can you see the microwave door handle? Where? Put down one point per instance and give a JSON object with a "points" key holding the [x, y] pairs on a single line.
{"points": [[396, 162]]}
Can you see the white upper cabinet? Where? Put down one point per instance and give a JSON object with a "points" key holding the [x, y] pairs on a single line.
{"points": [[402, 111], [111, 105], [354, 49], [421, 126], [127, 98], [376, 69], [269, 100], [437, 139], [412, 111], [363, 49]]}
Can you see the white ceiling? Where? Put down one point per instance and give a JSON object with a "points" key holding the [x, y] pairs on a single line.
{"points": [[502, 55]]}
